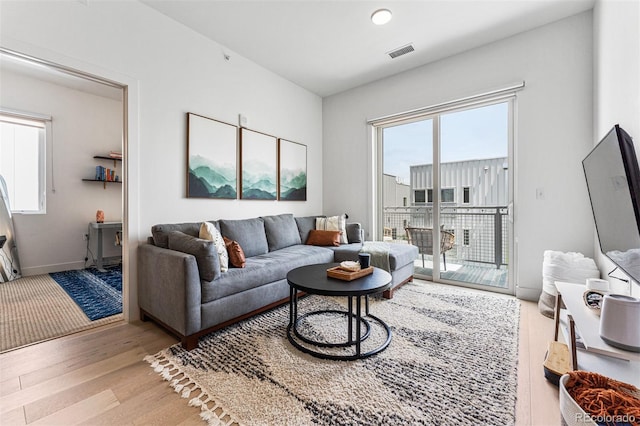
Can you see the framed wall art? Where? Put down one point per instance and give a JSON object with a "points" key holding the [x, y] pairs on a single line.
{"points": [[212, 158], [292, 161], [258, 166]]}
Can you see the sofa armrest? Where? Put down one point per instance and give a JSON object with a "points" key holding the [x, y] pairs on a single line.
{"points": [[169, 288]]}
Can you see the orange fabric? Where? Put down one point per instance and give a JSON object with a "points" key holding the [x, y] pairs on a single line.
{"points": [[236, 254], [323, 238], [600, 396]]}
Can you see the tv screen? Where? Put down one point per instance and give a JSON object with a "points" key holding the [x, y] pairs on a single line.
{"points": [[613, 181]]}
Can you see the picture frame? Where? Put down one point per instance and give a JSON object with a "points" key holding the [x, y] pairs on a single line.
{"points": [[258, 165], [292, 171], [211, 158]]}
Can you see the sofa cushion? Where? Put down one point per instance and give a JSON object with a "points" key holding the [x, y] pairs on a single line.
{"points": [[204, 251], [236, 254], [209, 232], [262, 269], [334, 223], [323, 238], [281, 231], [399, 254], [249, 233], [161, 232], [306, 224]]}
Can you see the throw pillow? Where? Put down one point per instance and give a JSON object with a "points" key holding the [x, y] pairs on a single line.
{"points": [[323, 238], [208, 231], [249, 233], [236, 254], [306, 224], [203, 250], [334, 223], [281, 231]]}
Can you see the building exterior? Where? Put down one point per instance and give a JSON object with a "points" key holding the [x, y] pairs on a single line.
{"points": [[469, 183], [395, 193], [474, 197]]}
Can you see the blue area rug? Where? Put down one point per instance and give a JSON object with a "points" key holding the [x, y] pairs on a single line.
{"points": [[99, 294]]}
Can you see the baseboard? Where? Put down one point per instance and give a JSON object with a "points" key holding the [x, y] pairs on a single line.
{"points": [[525, 293], [47, 269]]}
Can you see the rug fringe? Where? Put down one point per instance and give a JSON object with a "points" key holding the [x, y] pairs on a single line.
{"points": [[170, 372]]}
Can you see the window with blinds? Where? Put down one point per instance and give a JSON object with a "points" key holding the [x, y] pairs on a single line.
{"points": [[22, 162]]}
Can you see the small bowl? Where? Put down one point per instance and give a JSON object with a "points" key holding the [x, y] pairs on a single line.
{"points": [[593, 299]]}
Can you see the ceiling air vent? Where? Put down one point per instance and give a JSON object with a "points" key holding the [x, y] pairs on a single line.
{"points": [[401, 51]]}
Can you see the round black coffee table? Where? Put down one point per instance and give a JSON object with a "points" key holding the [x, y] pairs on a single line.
{"points": [[313, 279]]}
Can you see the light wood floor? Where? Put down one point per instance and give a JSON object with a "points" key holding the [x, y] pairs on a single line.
{"points": [[98, 377]]}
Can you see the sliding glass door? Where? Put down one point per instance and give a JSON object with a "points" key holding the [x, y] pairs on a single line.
{"points": [[446, 189]]}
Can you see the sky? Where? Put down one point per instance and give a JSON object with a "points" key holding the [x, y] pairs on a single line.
{"points": [[466, 135]]}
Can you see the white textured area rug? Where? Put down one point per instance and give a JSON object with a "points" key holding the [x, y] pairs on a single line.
{"points": [[452, 361]]}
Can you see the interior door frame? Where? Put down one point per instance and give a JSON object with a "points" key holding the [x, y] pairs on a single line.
{"points": [[130, 175]]}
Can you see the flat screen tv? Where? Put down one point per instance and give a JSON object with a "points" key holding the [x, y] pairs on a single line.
{"points": [[613, 181]]}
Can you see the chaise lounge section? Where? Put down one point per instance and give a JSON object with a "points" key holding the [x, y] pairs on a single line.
{"points": [[182, 287]]}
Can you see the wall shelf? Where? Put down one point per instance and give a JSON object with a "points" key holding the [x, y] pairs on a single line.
{"points": [[105, 181], [104, 157]]}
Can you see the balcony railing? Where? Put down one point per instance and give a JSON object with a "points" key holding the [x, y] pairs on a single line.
{"points": [[481, 232]]}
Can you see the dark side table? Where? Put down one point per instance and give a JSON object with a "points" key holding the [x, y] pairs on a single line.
{"points": [[313, 279]]}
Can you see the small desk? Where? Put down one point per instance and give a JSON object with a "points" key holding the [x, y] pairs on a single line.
{"points": [[99, 227]]}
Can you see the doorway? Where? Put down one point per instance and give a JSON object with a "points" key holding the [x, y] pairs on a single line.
{"points": [[446, 177], [62, 178]]}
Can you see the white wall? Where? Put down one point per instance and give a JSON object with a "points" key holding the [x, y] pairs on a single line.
{"points": [[616, 84], [170, 70], [83, 125], [553, 133]]}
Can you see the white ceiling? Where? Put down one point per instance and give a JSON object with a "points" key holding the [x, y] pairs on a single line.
{"points": [[329, 46]]}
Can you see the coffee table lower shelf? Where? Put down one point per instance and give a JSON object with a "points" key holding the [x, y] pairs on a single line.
{"points": [[355, 338]]}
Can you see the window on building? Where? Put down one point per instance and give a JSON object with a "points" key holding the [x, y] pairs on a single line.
{"points": [[418, 196], [447, 195], [22, 162], [465, 237], [466, 192], [404, 201]]}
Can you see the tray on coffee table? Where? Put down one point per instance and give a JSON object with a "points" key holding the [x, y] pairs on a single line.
{"points": [[341, 274]]}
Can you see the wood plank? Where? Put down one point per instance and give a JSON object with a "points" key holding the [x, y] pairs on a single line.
{"points": [[124, 383], [523, 401], [14, 417], [69, 380], [150, 404], [546, 395], [10, 385], [84, 410], [97, 352]]}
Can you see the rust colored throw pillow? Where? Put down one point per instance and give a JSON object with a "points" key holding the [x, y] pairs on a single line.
{"points": [[324, 238], [236, 254]]}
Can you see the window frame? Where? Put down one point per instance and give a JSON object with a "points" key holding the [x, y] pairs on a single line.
{"points": [[43, 123], [466, 195]]}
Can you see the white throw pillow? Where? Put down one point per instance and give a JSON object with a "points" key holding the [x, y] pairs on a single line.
{"points": [[208, 231], [334, 223]]}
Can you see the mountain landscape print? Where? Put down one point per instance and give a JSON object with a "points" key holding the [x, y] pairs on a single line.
{"points": [[259, 166], [293, 171], [212, 167]]}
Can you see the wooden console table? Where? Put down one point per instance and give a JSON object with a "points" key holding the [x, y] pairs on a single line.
{"points": [[581, 329]]}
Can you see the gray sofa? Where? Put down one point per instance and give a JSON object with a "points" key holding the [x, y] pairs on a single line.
{"points": [[181, 286]]}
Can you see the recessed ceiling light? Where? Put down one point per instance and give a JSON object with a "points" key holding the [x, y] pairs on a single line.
{"points": [[381, 16]]}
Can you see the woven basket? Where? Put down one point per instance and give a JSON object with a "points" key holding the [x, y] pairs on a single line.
{"points": [[571, 413]]}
